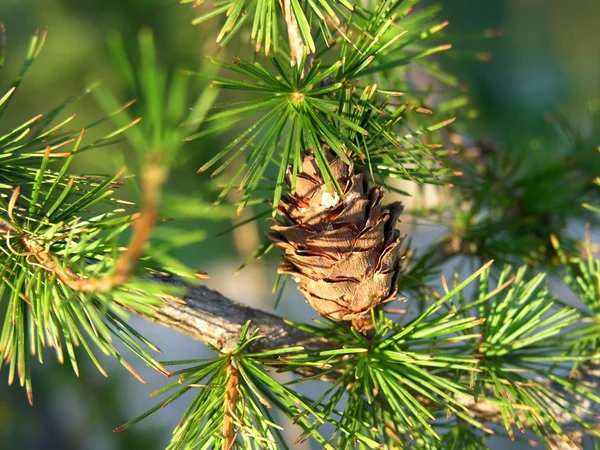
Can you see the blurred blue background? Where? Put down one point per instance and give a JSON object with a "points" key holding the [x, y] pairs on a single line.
{"points": [[546, 60]]}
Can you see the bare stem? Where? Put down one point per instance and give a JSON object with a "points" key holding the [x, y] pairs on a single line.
{"points": [[216, 320], [294, 36]]}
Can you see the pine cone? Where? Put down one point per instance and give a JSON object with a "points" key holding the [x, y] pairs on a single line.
{"points": [[342, 251]]}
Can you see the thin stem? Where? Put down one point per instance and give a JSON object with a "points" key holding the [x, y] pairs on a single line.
{"points": [[296, 42], [231, 398], [153, 177]]}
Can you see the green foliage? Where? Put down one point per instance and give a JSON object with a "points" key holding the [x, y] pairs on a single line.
{"points": [[49, 240], [498, 340], [589, 206], [325, 108], [508, 203], [524, 338], [582, 275], [407, 382], [161, 98], [268, 18], [233, 385], [51, 246], [592, 207], [352, 123], [62, 245], [42, 138]]}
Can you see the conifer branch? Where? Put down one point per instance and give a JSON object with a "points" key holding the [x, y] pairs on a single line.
{"points": [[211, 318], [509, 358], [154, 177], [586, 410]]}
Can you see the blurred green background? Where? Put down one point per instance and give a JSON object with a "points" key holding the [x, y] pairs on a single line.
{"points": [[547, 60]]}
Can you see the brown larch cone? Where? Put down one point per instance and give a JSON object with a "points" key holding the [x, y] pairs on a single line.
{"points": [[343, 252]]}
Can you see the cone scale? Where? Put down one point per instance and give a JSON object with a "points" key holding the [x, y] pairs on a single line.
{"points": [[342, 250]]}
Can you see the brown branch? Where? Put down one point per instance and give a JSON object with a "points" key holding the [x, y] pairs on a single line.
{"points": [[211, 318], [153, 177], [231, 399]]}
